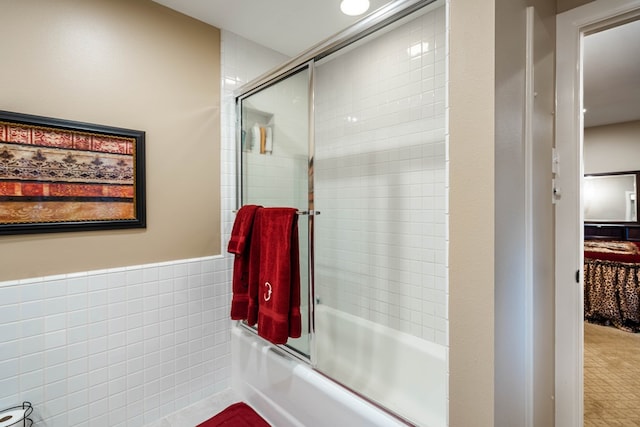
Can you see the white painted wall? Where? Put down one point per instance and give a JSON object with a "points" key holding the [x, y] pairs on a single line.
{"points": [[524, 289]]}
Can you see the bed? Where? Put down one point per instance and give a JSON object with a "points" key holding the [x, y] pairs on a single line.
{"points": [[612, 283]]}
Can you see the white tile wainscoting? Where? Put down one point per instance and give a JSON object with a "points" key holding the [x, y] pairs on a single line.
{"points": [[116, 347]]}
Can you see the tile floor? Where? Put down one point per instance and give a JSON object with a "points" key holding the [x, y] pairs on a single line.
{"points": [[611, 377], [198, 412]]}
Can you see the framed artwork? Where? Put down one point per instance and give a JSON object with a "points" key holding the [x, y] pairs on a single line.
{"points": [[59, 175]]}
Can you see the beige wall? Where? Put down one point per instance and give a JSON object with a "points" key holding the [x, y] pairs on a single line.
{"points": [[612, 148], [130, 64], [471, 220], [489, 357]]}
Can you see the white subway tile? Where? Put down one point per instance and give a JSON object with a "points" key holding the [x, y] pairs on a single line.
{"points": [[56, 357], [116, 325], [165, 272], [135, 350], [151, 274], [117, 400], [9, 368], [10, 331], [55, 373], [134, 276], [180, 270], [118, 417], [77, 283], [135, 386], [117, 356], [78, 384], [116, 279], [135, 291], [96, 315], [58, 407], [165, 286], [77, 366], [116, 340], [98, 282], [78, 414], [99, 407], [9, 294], [97, 361], [29, 345], [33, 309], [56, 389], [100, 389], [32, 291], [79, 398]]}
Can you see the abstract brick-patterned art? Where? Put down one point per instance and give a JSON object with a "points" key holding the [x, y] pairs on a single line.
{"points": [[57, 175]]}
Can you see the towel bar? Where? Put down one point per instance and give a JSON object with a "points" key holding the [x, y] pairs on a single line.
{"points": [[308, 212]]}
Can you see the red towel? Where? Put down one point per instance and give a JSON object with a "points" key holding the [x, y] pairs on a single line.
{"points": [[237, 415], [240, 244], [274, 276]]}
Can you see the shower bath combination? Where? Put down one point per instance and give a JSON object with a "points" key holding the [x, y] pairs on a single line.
{"points": [[356, 128]]}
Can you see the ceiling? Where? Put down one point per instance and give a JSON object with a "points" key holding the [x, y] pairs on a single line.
{"points": [[611, 57], [287, 26], [612, 75]]}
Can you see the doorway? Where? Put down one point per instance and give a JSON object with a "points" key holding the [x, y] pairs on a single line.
{"points": [[572, 26]]}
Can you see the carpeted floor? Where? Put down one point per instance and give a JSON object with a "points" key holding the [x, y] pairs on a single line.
{"points": [[611, 377]]}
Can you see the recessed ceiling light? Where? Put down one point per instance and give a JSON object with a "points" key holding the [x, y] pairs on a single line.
{"points": [[354, 7]]}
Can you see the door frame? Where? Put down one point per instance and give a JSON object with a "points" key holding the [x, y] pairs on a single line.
{"points": [[571, 26]]}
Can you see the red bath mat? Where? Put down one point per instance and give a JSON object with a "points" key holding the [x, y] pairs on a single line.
{"points": [[237, 415]]}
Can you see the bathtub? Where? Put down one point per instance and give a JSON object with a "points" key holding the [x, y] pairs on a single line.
{"points": [[289, 393], [403, 373], [408, 376]]}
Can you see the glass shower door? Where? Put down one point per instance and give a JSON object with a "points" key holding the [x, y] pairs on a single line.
{"points": [[380, 180], [274, 151]]}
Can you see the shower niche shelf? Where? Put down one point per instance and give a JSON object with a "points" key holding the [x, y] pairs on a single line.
{"points": [[253, 121]]}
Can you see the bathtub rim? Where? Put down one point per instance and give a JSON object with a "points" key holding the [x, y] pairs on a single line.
{"points": [[283, 349]]}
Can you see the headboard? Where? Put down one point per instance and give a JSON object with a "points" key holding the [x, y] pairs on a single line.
{"points": [[612, 232]]}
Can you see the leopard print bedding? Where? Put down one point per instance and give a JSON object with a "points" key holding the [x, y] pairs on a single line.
{"points": [[611, 294]]}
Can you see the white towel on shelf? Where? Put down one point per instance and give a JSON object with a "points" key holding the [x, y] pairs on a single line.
{"points": [[255, 138]]}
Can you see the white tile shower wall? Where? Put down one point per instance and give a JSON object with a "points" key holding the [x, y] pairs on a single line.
{"points": [[380, 179], [242, 61], [118, 347]]}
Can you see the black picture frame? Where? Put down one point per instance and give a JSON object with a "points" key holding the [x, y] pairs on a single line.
{"points": [[60, 175]]}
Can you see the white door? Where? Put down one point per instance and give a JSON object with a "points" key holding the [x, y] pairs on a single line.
{"points": [[571, 27]]}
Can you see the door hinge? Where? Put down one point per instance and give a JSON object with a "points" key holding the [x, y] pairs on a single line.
{"points": [[578, 276]]}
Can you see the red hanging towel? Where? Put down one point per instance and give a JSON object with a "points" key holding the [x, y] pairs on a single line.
{"points": [[274, 277], [240, 244]]}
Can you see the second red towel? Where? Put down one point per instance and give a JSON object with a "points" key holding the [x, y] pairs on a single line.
{"points": [[274, 277]]}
